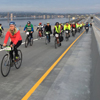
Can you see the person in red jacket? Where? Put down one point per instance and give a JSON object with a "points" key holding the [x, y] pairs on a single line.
{"points": [[15, 38]]}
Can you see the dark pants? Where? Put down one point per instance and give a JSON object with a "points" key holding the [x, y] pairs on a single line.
{"points": [[0, 31], [31, 35], [49, 37], [15, 49], [41, 32]]}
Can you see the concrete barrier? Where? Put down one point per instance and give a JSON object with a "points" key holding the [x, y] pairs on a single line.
{"points": [[95, 71]]}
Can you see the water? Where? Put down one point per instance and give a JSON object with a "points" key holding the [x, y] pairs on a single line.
{"points": [[35, 22]]}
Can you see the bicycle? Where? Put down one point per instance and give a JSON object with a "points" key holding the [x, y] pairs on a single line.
{"points": [[1, 34], [67, 35], [73, 32], [57, 41], [28, 40], [87, 29], [47, 38], [7, 62], [79, 29]]}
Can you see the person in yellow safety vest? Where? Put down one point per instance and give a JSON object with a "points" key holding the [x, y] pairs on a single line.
{"points": [[83, 24], [1, 28], [80, 25], [57, 30], [77, 25], [67, 26]]}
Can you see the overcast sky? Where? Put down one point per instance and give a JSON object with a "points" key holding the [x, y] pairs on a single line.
{"points": [[55, 6]]}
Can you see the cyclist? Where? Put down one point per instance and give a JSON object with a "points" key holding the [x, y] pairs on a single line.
{"points": [[29, 28], [81, 26], [67, 27], [57, 30], [44, 28], [87, 27], [73, 26], [15, 37], [1, 28], [40, 28], [48, 29], [90, 24]]}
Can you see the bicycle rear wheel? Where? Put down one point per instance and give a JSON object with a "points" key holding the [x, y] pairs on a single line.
{"points": [[73, 34], [26, 42], [31, 42], [19, 61], [2, 35], [67, 37], [5, 65], [46, 40], [56, 44]]}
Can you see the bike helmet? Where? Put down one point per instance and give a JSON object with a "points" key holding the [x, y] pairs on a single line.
{"points": [[56, 23], [12, 23], [40, 23], [28, 22], [48, 23], [73, 22]]}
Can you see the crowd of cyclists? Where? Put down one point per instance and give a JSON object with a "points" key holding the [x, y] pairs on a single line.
{"points": [[59, 32], [59, 29]]}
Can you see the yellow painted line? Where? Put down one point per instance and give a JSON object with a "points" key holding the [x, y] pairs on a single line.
{"points": [[30, 92]]}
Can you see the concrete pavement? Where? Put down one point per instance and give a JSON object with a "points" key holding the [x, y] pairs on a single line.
{"points": [[73, 80], [36, 61]]}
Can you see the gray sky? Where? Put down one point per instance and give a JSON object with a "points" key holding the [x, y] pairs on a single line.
{"points": [[55, 6]]}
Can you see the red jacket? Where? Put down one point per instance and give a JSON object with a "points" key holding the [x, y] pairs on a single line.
{"points": [[14, 38]]}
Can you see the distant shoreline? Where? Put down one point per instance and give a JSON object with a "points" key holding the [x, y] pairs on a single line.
{"points": [[25, 18]]}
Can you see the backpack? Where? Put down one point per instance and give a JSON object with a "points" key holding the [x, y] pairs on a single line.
{"points": [[61, 38]]}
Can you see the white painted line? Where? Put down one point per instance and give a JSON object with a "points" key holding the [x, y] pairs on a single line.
{"points": [[24, 43], [35, 39], [1, 49]]}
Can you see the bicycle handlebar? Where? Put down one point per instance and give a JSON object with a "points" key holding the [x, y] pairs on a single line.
{"points": [[2, 47]]}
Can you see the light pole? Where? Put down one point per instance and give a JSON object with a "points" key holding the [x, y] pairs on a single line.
{"points": [[69, 18], [11, 16]]}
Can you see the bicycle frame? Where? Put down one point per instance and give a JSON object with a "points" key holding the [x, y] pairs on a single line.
{"points": [[57, 37]]}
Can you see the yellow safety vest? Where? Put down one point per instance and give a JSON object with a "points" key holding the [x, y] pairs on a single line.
{"points": [[57, 29], [0, 28], [67, 27]]}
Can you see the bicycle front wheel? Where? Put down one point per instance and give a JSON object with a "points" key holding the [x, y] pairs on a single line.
{"points": [[26, 42], [5, 65], [19, 61]]}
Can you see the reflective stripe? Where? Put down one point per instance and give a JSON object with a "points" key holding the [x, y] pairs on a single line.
{"points": [[0, 28]]}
